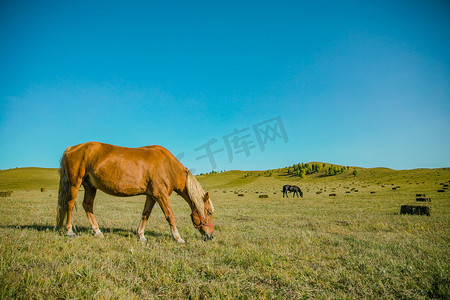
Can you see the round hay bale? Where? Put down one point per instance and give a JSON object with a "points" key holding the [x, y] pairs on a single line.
{"points": [[423, 199], [6, 193], [42, 189], [332, 195], [240, 195], [414, 210]]}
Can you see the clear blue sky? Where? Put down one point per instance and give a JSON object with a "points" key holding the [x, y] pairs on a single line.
{"points": [[363, 83]]}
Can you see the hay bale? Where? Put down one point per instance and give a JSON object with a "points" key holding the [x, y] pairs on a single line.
{"points": [[42, 189], [441, 191], [372, 192], [332, 195], [318, 193], [263, 196], [414, 210], [240, 195], [420, 195], [423, 199], [6, 193]]}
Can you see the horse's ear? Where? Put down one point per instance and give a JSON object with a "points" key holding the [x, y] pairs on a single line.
{"points": [[206, 197]]}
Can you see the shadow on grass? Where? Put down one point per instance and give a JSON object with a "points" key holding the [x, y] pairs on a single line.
{"points": [[83, 229]]}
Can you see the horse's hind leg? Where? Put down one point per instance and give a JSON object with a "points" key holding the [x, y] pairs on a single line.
{"points": [[88, 205], [149, 203], [73, 192]]}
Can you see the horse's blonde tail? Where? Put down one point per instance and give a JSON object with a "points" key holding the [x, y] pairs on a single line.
{"points": [[63, 194]]}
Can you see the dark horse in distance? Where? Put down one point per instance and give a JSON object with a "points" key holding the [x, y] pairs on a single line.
{"points": [[292, 188]]}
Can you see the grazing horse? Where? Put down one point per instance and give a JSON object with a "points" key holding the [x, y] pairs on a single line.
{"points": [[292, 188], [152, 171]]}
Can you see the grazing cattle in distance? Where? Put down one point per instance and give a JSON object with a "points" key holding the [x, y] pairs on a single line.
{"points": [[292, 188]]}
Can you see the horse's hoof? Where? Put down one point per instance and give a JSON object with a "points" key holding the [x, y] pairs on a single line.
{"points": [[142, 239], [181, 241], [99, 234], [70, 234]]}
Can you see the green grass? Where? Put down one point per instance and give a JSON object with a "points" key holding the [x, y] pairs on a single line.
{"points": [[354, 245]]}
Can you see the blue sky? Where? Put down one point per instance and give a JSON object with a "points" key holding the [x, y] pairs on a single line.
{"points": [[351, 82]]}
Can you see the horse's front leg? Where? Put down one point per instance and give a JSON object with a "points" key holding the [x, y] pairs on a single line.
{"points": [[149, 203], [163, 201]]}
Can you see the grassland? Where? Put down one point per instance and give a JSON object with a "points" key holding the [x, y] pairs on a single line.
{"points": [[352, 245]]}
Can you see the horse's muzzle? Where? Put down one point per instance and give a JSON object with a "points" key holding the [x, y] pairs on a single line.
{"points": [[206, 236]]}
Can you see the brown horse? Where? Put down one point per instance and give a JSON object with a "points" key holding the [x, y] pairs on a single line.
{"points": [[120, 171]]}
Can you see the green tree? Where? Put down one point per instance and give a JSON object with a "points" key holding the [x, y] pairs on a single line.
{"points": [[302, 173], [355, 172]]}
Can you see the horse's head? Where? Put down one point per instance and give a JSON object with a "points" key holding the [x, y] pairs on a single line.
{"points": [[301, 193], [204, 225]]}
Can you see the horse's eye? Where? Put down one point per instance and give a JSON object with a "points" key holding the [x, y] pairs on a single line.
{"points": [[209, 213]]}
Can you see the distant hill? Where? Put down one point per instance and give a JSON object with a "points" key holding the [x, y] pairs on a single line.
{"points": [[36, 178], [383, 175], [28, 179]]}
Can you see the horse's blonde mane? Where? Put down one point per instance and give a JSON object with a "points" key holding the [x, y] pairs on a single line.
{"points": [[196, 193]]}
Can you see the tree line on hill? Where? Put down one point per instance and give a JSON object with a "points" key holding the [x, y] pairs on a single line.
{"points": [[302, 169]]}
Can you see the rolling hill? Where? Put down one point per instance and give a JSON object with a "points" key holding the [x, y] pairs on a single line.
{"points": [[36, 178]]}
